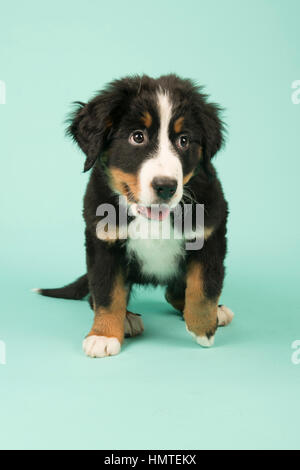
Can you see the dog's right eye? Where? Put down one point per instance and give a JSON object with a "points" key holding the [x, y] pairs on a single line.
{"points": [[138, 138]]}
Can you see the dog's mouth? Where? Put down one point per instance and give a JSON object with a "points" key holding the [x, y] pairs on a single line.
{"points": [[155, 212]]}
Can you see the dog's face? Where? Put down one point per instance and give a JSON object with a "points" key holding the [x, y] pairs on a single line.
{"points": [[151, 134]]}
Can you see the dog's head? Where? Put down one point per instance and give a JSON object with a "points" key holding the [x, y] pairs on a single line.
{"points": [[152, 135]]}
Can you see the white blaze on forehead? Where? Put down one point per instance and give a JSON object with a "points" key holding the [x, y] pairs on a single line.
{"points": [[165, 115], [164, 162]]}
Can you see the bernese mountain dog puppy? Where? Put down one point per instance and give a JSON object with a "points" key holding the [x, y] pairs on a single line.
{"points": [[150, 142]]}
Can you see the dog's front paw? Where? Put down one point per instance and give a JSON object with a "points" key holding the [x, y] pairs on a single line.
{"points": [[204, 341], [101, 346]]}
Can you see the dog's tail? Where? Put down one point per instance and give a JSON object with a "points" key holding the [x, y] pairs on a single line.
{"points": [[76, 291]]}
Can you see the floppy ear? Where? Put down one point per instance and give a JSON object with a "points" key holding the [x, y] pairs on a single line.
{"points": [[212, 129], [91, 124]]}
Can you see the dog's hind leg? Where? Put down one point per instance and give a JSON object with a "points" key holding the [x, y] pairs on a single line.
{"points": [[175, 296], [133, 324], [225, 315], [177, 303]]}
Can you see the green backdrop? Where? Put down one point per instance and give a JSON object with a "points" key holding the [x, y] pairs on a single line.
{"points": [[163, 391]]}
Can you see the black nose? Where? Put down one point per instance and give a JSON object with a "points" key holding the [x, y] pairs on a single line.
{"points": [[164, 187]]}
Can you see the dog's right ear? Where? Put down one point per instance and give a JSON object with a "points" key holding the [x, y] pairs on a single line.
{"points": [[92, 124], [89, 126]]}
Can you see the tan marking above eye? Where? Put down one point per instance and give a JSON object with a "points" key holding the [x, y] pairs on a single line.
{"points": [[178, 124], [147, 119]]}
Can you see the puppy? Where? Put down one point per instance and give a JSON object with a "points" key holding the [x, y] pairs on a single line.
{"points": [[149, 144]]}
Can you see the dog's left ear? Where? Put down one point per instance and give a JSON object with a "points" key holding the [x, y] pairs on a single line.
{"points": [[91, 125], [212, 129]]}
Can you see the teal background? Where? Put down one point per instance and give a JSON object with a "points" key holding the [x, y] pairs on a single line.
{"points": [[163, 391]]}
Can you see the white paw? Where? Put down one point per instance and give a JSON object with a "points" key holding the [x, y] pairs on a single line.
{"points": [[133, 324], [101, 346], [204, 341], [225, 315]]}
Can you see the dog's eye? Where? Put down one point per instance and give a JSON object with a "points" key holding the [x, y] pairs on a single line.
{"points": [[138, 138], [183, 142]]}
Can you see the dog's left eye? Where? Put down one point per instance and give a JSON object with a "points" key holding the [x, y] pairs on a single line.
{"points": [[138, 138], [183, 142]]}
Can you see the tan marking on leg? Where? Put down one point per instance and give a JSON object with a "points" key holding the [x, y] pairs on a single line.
{"points": [[200, 313], [125, 183], [147, 119], [109, 321], [178, 124]]}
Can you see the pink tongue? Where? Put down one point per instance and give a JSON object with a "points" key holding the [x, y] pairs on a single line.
{"points": [[154, 213]]}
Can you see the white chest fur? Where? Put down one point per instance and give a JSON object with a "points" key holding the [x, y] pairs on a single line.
{"points": [[155, 248]]}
